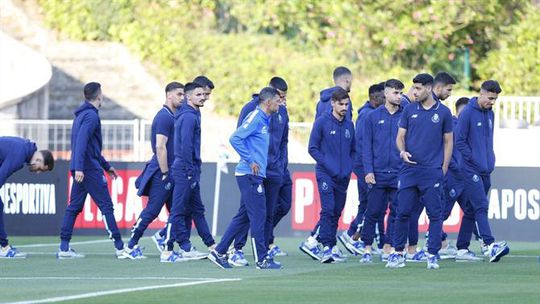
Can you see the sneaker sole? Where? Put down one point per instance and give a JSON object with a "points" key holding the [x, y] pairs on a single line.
{"points": [[68, 258], [345, 243], [469, 260], [395, 267], [309, 253], [497, 257]]}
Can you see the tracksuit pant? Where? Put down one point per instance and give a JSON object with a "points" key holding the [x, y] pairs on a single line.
{"points": [[333, 194], [251, 215], [185, 190], [3, 235], [283, 205], [417, 184], [378, 198], [95, 184], [272, 186], [159, 194], [476, 189], [358, 222]]}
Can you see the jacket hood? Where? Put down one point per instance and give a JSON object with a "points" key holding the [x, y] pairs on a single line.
{"points": [[326, 94], [85, 106], [474, 104]]}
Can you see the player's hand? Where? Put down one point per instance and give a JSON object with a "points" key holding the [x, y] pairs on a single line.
{"points": [[370, 179], [406, 157], [444, 169], [79, 176], [255, 168], [112, 173]]}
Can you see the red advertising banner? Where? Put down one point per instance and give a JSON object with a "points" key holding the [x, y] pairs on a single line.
{"points": [[127, 204]]}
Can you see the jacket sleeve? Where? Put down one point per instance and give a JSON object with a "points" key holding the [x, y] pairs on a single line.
{"points": [[104, 163], [353, 143], [186, 133], [88, 126], [462, 135], [237, 139], [246, 109], [367, 145], [8, 166], [284, 153], [315, 139]]}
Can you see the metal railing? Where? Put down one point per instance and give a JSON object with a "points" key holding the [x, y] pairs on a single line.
{"points": [[129, 140]]}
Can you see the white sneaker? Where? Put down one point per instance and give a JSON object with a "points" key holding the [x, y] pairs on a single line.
{"points": [[9, 252], [159, 241], [193, 254], [464, 255], [238, 259], [171, 257], [449, 252], [432, 262], [69, 254], [338, 255], [136, 253], [497, 251]]}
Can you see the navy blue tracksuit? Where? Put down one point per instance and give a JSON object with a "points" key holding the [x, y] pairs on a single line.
{"points": [[358, 169], [380, 157], [186, 173], [332, 145], [14, 153], [474, 132], [150, 183], [275, 170], [423, 181], [251, 141], [86, 144]]}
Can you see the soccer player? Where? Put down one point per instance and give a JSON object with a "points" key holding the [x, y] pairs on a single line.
{"points": [[15, 152], [196, 216], [350, 238], [381, 163], [251, 141], [342, 79], [155, 181], [425, 143], [87, 165], [443, 84], [332, 145], [186, 173], [474, 140], [275, 170]]}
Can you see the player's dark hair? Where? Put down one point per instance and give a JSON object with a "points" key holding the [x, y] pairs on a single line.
{"points": [[173, 86], [340, 94], [491, 86], [375, 88], [92, 90], [463, 101], [190, 86], [394, 84], [340, 72], [279, 83], [424, 79], [444, 79], [204, 82], [267, 93], [48, 159]]}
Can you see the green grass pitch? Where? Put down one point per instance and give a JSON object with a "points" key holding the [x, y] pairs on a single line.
{"points": [[42, 279]]}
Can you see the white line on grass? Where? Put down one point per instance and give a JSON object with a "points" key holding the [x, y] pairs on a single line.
{"points": [[58, 244], [107, 278], [118, 291]]}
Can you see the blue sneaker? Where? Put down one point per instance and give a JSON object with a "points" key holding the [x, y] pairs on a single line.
{"points": [[312, 252], [268, 263], [497, 251], [219, 259], [417, 257], [354, 247], [366, 258], [432, 261], [395, 260], [327, 256], [9, 252], [135, 253], [338, 255], [171, 257], [276, 251], [238, 259], [159, 241]]}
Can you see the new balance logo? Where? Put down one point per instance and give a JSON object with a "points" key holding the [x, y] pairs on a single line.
{"points": [[414, 116], [333, 132]]}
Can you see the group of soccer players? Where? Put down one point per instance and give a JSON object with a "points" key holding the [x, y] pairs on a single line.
{"points": [[407, 152]]}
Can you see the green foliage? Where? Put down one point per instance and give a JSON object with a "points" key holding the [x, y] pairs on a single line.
{"points": [[241, 44], [516, 62]]}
